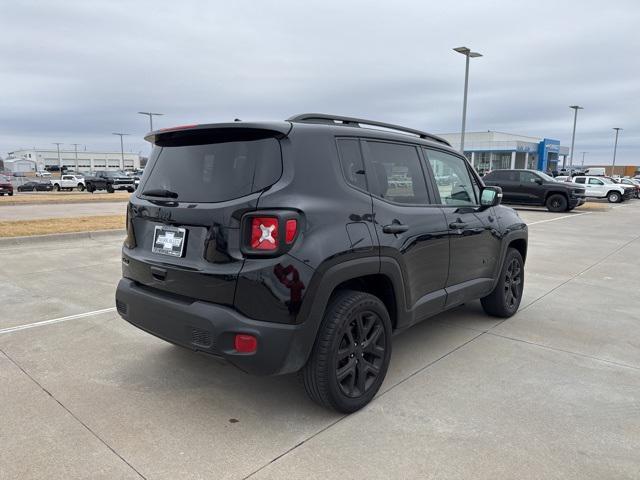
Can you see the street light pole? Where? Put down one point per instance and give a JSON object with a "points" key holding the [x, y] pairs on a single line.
{"points": [[582, 167], [573, 136], [121, 146], [57, 144], [615, 149], [150, 115], [75, 145], [468, 54]]}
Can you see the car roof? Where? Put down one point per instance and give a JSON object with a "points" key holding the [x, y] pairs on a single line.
{"points": [[337, 125]]}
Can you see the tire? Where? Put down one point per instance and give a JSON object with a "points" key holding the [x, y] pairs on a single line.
{"points": [[90, 188], [11, 194], [130, 190], [505, 298], [56, 187], [349, 314], [110, 189], [614, 197], [557, 203], [80, 187]]}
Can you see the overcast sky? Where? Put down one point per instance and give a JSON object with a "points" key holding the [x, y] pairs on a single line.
{"points": [[76, 71]]}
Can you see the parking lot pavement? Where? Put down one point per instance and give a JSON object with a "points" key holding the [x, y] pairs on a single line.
{"points": [[553, 392], [66, 210]]}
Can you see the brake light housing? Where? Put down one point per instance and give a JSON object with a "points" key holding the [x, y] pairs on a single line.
{"points": [[269, 232], [130, 239]]}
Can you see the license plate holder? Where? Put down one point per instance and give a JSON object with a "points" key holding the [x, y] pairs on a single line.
{"points": [[169, 240]]}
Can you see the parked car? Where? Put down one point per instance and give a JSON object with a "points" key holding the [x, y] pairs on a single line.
{"points": [[531, 187], [5, 186], [600, 187], [119, 180], [35, 187], [43, 174], [630, 182], [69, 182], [280, 247], [93, 183]]}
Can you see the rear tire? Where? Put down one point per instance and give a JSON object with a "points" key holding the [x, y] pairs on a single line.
{"points": [[56, 187], [614, 197], [505, 298], [351, 353], [110, 189], [557, 203]]}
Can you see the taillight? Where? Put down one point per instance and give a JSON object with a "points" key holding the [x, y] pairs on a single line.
{"points": [[264, 233], [130, 239], [269, 232], [291, 228]]}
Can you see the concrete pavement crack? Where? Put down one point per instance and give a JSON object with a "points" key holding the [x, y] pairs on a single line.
{"points": [[74, 416]]}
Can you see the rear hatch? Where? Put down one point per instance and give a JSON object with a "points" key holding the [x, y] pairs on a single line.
{"points": [[185, 216]]}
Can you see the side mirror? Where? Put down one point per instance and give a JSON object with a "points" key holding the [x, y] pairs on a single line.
{"points": [[490, 196], [538, 181]]}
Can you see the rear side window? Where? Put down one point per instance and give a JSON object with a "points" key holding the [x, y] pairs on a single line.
{"points": [[579, 180], [215, 172], [351, 162], [503, 175], [397, 174]]}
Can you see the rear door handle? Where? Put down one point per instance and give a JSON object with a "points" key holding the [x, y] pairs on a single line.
{"points": [[395, 228], [457, 225]]}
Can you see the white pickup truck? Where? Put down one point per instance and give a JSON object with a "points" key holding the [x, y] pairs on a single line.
{"points": [[601, 187], [68, 182]]}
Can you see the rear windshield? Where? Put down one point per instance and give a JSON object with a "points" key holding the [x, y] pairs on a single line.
{"points": [[215, 172]]}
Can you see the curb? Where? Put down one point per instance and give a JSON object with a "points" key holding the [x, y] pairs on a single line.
{"points": [[35, 239]]}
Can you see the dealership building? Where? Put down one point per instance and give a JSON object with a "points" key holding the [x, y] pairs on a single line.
{"points": [[492, 150], [26, 160]]}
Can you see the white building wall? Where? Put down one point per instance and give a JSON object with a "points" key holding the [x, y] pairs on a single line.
{"points": [[85, 160]]}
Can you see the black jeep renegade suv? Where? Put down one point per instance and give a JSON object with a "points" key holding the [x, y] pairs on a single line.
{"points": [[306, 244]]}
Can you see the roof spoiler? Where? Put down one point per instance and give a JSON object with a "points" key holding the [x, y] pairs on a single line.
{"points": [[218, 132]]}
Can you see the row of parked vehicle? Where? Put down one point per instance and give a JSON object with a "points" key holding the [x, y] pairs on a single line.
{"points": [[90, 181], [562, 193]]}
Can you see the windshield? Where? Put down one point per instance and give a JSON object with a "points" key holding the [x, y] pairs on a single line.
{"points": [[546, 177], [214, 172]]}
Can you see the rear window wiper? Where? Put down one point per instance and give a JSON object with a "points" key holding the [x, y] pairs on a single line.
{"points": [[160, 192]]}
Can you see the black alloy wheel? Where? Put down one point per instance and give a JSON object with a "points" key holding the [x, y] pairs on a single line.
{"points": [[361, 354], [513, 283], [351, 353]]}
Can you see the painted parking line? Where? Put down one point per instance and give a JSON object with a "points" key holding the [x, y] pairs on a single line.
{"points": [[573, 215], [56, 320]]}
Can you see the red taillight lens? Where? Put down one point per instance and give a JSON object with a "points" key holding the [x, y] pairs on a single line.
{"points": [[291, 228], [264, 233], [245, 343]]}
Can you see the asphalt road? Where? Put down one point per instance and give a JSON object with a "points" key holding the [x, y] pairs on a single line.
{"points": [[553, 392]]}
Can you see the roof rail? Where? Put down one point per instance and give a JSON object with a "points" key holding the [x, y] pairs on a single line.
{"points": [[357, 122]]}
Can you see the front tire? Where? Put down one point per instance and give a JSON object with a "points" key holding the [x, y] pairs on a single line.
{"points": [[80, 187], [351, 354], [110, 189], [505, 298], [56, 187], [614, 197], [557, 203]]}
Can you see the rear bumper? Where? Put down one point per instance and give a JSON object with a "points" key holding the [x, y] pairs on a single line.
{"points": [[6, 190], [211, 328]]}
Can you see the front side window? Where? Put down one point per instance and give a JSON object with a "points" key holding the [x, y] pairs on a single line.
{"points": [[528, 178], [397, 174], [595, 181], [452, 178]]}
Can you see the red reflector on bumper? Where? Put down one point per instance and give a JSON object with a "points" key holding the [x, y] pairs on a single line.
{"points": [[245, 343]]}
